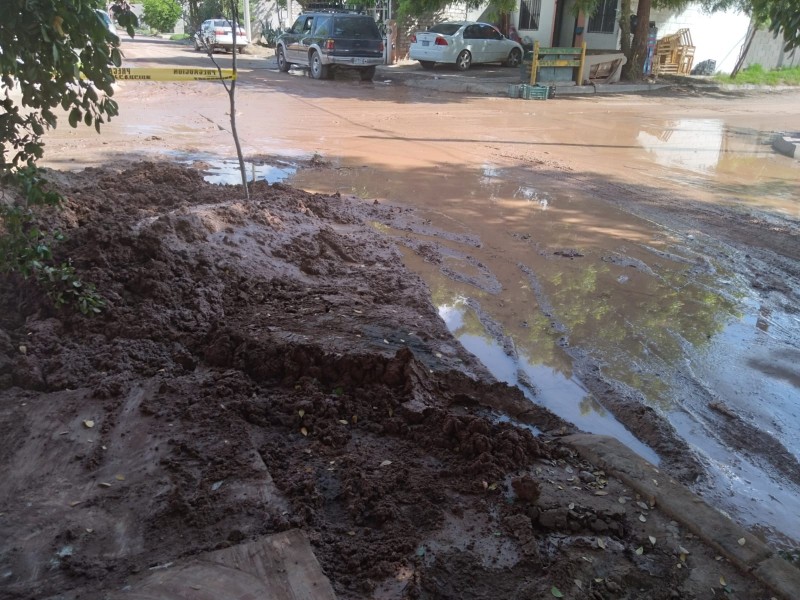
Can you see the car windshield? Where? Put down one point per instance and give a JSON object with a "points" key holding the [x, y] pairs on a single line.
{"points": [[359, 27], [445, 28]]}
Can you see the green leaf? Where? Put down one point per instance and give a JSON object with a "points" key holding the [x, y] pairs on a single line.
{"points": [[75, 117], [556, 592]]}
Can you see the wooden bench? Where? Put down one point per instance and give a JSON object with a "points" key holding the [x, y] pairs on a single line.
{"points": [[555, 57]]}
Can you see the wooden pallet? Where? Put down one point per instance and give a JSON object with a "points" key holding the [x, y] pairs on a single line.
{"points": [[674, 53]]}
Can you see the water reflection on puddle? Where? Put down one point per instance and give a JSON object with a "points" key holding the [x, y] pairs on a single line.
{"points": [[541, 260], [564, 396], [226, 172], [708, 153]]}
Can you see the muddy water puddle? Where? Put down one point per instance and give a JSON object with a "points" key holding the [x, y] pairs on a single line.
{"points": [[710, 154], [228, 172], [529, 274]]}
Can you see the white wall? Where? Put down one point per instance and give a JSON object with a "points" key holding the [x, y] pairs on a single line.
{"points": [[767, 51], [547, 17], [718, 36]]}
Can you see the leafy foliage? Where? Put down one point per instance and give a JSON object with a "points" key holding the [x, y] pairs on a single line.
{"points": [[56, 53], [28, 250], [161, 15], [53, 54], [417, 8], [783, 17]]}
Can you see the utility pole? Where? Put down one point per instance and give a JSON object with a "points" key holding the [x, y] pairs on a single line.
{"points": [[247, 29]]}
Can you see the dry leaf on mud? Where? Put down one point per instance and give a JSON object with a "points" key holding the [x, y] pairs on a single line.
{"points": [[601, 493], [354, 419], [23, 349], [601, 543], [571, 506], [579, 584], [556, 592], [351, 533], [301, 412], [304, 431], [622, 500], [741, 541], [119, 477], [75, 502], [88, 424], [652, 540], [683, 550], [89, 530], [343, 421], [722, 581], [104, 484], [492, 487], [386, 463], [640, 551], [643, 519]]}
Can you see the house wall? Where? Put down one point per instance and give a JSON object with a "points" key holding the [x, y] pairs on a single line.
{"points": [[719, 36], [767, 51], [543, 35]]}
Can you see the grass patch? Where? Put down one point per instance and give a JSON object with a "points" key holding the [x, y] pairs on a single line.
{"points": [[756, 75], [177, 37]]}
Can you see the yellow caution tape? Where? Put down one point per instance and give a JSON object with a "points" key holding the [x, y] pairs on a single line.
{"points": [[168, 74]]}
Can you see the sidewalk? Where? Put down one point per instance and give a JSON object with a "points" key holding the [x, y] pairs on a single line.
{"points": [[490, 80]]}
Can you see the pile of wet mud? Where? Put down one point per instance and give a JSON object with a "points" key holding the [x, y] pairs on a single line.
{"points": [[270, 364]]}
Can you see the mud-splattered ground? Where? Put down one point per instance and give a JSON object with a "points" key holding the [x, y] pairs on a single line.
{"points": [[272, 365]]}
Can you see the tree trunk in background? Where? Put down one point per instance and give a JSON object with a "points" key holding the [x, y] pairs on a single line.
{"points": [[743, 56], [635, 64]]}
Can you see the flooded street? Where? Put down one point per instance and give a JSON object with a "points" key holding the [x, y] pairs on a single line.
{"points": [[578, 247]]}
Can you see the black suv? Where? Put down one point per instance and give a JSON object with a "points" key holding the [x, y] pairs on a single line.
{"points": [[326, 40]]}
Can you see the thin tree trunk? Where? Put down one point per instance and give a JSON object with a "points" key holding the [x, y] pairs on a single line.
{"points": [[232, 95], [751, 33], [625, 27]]}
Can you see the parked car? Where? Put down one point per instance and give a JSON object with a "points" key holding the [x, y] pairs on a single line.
{"points": [[328, 40], [463, 44], [218, 34]]}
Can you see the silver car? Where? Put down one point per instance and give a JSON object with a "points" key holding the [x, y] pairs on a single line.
{"points": [[463, 44]]}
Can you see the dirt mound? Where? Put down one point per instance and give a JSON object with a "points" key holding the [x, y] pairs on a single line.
{"points": [[272, 365]]}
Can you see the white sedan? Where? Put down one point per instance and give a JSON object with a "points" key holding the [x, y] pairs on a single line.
{"points": [[463, 44]]}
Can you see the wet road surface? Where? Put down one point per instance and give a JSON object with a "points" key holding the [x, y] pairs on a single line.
{"points": [[526, 234]]}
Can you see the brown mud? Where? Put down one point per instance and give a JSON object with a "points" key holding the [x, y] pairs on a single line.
{"points": [[272, 365]]}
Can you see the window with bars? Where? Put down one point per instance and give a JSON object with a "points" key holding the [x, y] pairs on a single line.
{"points": [[604, 18], [529, 11]]}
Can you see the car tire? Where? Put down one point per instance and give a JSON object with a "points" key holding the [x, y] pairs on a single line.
{"points": [[514, 58], [367, 74], [464, 60], [426, 64], [283, 65], [196, 44], [318, 70]]}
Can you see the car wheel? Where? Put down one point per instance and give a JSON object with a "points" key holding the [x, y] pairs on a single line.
{"points": [[426, 64], [367, 74], [514, 58], [283, 66], [196, 44], [464, 60], [318, 70]]}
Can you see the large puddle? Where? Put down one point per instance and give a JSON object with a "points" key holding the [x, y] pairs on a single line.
{"points": [[527, 266]]}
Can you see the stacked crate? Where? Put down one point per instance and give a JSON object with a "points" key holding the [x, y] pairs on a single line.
{"points": [[674, 54], [528, 92]]}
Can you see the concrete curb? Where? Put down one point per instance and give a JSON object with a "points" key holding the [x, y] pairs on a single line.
{"points": [[788, 144], [685, 507]]}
